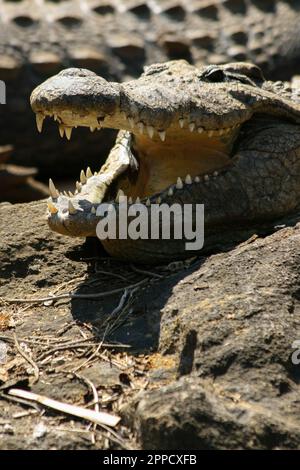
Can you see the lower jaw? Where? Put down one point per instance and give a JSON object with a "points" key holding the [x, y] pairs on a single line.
{"points": [[155, 252], [147, 251], [144, 250]]}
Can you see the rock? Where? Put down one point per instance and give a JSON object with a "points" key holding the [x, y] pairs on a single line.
{"points": [[17, 183], [228, 321], [231, 323], [194, 414], [102, 373]]}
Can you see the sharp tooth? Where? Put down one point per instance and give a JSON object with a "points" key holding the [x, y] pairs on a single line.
{"points": [[137, 200], [89, 172], [188, 179], [95, 173], [39, 121], [71, 208], [65, 194], [221, 131], [215, 173], [93, 210], [170, 192], [150, 131], [78, 186], [206, 177], [131, 122], [82, 177], [162, 135], [140, 127], [179, 184], [158, 200], [200, 130], [148, 202], [119, 194], [52, 189], [61, 129], [92, 129], [181, 122], [197, 179], [192, 126], [55, 117], [68, 131], [70, 193], [52, 207], [130, 200]]}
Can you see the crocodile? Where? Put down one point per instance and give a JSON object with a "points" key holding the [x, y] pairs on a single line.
{"points": [[221, 136], [116, 39]]}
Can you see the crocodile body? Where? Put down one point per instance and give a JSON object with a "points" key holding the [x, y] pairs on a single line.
{"points": [[222, 136], [116, 39]]}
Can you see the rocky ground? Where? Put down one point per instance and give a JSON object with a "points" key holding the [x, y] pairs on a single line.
{"points": [[189, 355]]}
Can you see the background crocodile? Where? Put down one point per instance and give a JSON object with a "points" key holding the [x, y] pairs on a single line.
{"points": [[116, 39], [220, 332], [218, 135]]}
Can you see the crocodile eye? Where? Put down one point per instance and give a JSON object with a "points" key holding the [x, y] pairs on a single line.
{"points": [[214, 75]]}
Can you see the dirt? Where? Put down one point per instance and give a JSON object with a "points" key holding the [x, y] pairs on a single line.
{"points": [[197, 355]]}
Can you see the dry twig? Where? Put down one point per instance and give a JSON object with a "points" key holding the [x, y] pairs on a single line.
{"points": [[28, 359], [69, 295], [90, 415], [143, 271]]}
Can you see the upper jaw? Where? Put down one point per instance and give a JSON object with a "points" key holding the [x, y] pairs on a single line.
{"points": [[150, 104], [79, 90]]}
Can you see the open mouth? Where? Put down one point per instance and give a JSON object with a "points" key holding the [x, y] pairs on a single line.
{"points": [[177, 124], [146, 165], [187, 136]]}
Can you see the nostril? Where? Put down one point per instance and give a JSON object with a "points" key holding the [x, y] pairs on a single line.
{"points": [[214, 75]]}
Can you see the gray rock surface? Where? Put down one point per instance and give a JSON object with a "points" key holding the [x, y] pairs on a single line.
{"points": [[226, 324]]}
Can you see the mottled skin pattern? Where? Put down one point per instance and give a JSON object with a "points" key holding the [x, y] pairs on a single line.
{"points": [[116, 39], [218, 135]]}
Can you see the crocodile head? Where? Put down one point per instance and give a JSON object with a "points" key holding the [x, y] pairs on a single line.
{"points": [[182, 133]]}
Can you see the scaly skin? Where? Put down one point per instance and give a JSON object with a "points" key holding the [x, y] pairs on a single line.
{"points": [[116, 39], [217, 135]]}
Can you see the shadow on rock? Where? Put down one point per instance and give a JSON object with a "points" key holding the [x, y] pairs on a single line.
{"points": [[228, 321], [137, 323]]}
